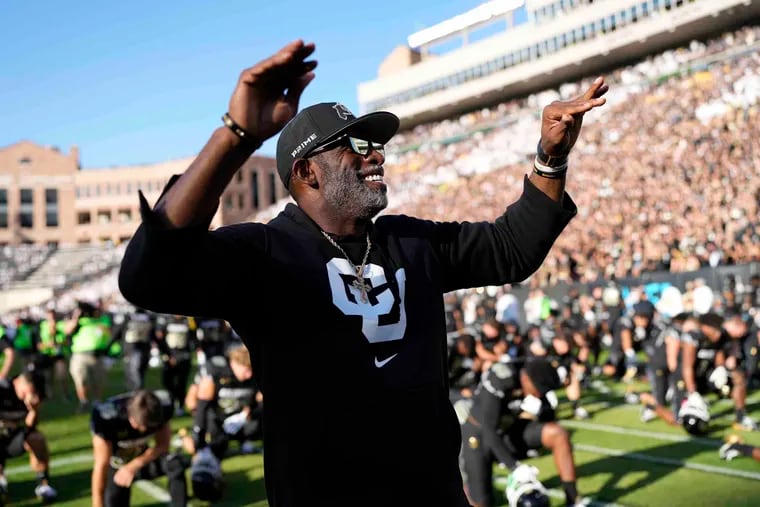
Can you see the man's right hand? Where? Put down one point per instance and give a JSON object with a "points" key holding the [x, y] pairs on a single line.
{"points": [[267, 94], [562, 119]]}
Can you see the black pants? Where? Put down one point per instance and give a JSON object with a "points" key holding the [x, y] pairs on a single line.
{"points": [[751, 357], [12, 444], [477, 459], [137, 357], [659, 381], [175, 378], [171, 465], [45, 364]]}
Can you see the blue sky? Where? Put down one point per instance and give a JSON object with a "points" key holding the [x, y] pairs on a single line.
{"points": [[134, 82]]}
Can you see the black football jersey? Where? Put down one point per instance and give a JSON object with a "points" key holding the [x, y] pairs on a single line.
{"points": [[109, 421], [178, 337], [138, 328], [232, 395], [212, 335], [707, 350], [492, 397], [654, 344]]}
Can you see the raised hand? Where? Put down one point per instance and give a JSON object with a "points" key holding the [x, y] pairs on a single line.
{"points": [[562, 119], [267, 94]]}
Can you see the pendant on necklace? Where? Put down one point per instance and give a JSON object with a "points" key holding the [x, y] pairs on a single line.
{"points": [[360, 285]]}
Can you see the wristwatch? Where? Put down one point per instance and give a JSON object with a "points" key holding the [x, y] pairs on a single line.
{"points": [[545, 159]]}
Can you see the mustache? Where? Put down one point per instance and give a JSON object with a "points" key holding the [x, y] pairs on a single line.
{"points": [[375, 168]]}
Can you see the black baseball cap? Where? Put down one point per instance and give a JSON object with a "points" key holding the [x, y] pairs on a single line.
{"points": [[323, 122]]}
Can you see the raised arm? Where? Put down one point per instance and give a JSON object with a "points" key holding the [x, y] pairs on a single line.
{"points": [[512, 248], [561, 123], [265, 99], [173, 264]]}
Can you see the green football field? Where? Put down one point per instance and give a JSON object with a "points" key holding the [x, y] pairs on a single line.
{"points": [[620, 460]]}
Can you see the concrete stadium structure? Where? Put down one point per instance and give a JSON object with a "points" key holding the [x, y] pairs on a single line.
{"points": [[45, 197], [557, 41]]}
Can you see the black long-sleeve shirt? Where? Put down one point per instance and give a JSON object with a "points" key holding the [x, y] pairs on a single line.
{"points": [[357, 407]]}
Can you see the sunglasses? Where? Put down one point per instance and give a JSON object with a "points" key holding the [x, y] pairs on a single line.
{"points": [[358, 146]]}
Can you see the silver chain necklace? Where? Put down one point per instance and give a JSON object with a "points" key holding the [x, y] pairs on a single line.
{"points": [[360, 283]]}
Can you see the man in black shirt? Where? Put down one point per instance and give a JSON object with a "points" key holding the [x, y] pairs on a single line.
{"points": [[121, 428], [512, 413], [334, 301], [464, 367], [139, 333], [654, 338], [176, 339], [19, 411], [227, 406], [490, 345], [739, 341], [664, 370], [213, 335]]}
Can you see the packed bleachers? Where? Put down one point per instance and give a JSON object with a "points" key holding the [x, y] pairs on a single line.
{"points": [[18, 261], [67, 265], [665, 177]]}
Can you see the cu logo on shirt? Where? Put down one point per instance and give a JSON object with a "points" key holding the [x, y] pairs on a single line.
{"points": [[383, 315]]}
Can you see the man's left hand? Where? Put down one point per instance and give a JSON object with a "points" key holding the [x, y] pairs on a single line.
{"points": [[562, 119], [124, 476]]}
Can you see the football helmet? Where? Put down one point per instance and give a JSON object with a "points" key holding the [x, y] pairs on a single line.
{"points": [[694, 415], [206, 476], [524, 489]]}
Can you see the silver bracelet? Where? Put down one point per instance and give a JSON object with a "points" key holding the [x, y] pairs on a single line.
{"points": [[548, 171]]}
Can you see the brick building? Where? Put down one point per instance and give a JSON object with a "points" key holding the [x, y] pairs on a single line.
{"points": [[46, 198]]}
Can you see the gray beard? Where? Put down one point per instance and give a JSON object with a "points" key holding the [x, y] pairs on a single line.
{"points": [[350, 196]]}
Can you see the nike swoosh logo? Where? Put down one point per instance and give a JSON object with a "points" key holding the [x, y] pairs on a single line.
{"points": [[380, 364]]}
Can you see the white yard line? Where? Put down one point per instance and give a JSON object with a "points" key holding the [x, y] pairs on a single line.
{"points": [[667, 461], [154, 491], [149, 488], [654, 435], [68, 460]]}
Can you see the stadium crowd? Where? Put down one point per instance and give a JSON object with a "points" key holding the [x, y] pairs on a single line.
{"points": [[665, 179], [685, 119]]}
